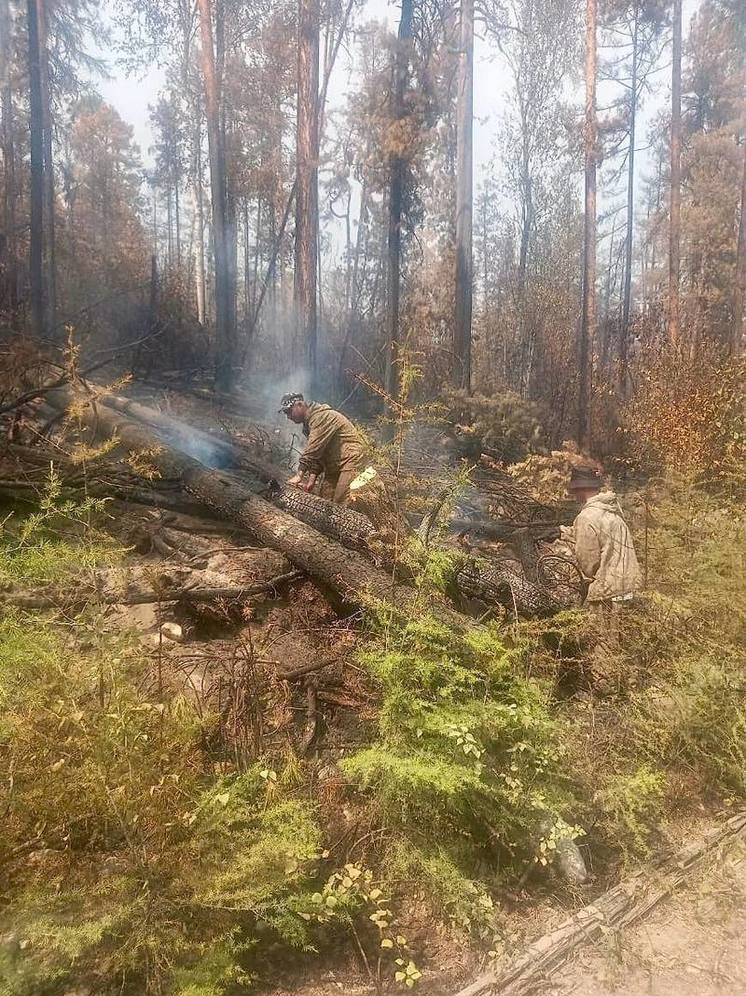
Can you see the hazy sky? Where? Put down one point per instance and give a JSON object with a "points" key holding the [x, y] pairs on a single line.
{"points": [[132, 96]]}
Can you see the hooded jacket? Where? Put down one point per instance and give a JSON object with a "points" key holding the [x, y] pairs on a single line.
{"points": [[604, 549]]}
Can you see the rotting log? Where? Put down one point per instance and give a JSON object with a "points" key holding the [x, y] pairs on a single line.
{"points": [[624, 904]]}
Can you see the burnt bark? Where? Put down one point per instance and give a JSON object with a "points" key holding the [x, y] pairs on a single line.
{"points": [[36, 235], [588, 317], [307, 183], [674, 231], [464, 200], [397, 179], [225, 346], [50, 264], [627, 295]]}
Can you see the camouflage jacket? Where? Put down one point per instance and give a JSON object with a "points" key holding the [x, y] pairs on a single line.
{"points": [[333, 443]]}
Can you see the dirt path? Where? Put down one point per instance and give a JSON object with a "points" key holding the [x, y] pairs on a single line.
{"points": [[692, 945]]}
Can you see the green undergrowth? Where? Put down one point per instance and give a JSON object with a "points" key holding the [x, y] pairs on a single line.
{"points": [[467, 763], [136, 860], [146, 870], [57, 541]]}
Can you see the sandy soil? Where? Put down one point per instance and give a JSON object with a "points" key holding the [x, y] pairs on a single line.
{"points": [[693, 945]]}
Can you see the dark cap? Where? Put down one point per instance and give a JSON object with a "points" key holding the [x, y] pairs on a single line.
{"points": [[288, 400], [584, 477]]}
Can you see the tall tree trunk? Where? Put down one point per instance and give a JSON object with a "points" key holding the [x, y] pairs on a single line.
{"points": [[739, 296], [464, 199], [307, 185], [178, 223], [627, 298], [588, 318], [36, 240], [170, 225], [50, 301], [225, 346], [8, 243], [199, 208], [257, 251], [397, 176], [674, 237], [248, 306]]}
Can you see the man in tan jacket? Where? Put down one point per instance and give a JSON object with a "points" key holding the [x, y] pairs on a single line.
{"points": [[602, 542], [334, 448]]}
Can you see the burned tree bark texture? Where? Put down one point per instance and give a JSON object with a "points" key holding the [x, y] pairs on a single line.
{"points": [[588, 316], [397, 178], [36, 120], [8, 247], [50, 264], [464, 199], [225, 347], [307, 182], [628, 241]]}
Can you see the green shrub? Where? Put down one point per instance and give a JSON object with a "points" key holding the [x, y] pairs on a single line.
{"points": [[467, 750], [631, 806], [41, 550]]}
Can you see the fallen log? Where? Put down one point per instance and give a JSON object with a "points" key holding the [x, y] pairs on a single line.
{"points": [[346, 572], [345, 525], [620, 906], [144, 585], [302, 536], [195, 595]]}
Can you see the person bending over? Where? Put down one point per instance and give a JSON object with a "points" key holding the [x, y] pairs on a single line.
{"points": [[333, 447]]}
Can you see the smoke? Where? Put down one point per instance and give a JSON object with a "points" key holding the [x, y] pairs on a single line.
{"points": [[200, 448], [286, 435]]}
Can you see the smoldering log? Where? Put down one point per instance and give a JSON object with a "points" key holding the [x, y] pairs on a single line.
{"points": [[343, 569]]}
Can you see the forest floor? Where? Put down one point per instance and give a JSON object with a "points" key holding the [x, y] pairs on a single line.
{"points": [[242, 664], [692, 945]]}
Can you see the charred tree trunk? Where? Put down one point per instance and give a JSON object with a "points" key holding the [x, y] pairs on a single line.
{"points": [[50, 262], [307, 184], [347, 572], [674, 235], [739, 296], [178, 223], [199, 209], [464, 200], [8, 241], [199, 251], [627, 298], [398, 169], [224, 337], [588, 318], [36, 238]]}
